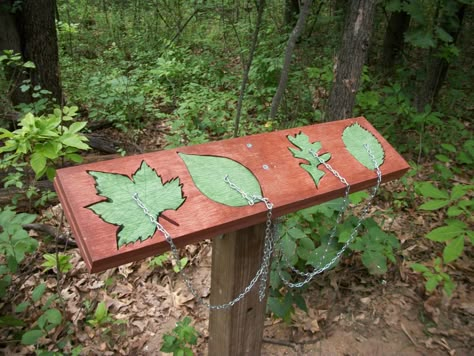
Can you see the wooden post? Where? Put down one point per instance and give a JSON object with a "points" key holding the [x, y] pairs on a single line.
{"points": [[236, 257]]}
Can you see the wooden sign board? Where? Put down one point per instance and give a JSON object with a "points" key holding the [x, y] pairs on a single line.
{"points": [[268, 157]]}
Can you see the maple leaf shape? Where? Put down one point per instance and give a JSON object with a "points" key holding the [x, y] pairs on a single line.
{"points": [[122, 210], [305, 147]]}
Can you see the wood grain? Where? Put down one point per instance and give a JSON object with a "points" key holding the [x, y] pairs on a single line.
{"points": [[288, 186], [236, 257]]}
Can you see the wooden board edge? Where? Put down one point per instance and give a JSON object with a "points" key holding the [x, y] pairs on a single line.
{"points": [[73, 224]]}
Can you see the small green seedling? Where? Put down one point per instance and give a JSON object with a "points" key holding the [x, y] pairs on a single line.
{"points": [[181, 338]]}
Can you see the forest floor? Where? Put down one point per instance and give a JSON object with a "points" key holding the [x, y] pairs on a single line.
{"points": [[349, 311]]}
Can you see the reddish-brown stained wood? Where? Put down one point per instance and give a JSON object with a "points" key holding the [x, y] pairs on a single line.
{"points": [[285, 183]]}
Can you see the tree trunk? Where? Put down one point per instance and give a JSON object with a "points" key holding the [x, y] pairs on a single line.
{"points": [[245, 77], [32, 32], [295, 34], [350, 60], [438, 67], [394, 38], [292, 8]]}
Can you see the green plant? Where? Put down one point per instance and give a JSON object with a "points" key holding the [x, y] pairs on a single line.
{"points": [[15, 244], [455, 230], [435, 276], [59, 262], [453, 233], [101, 315], [43, 140], [181, 339], [160, 260], [305, 244]]}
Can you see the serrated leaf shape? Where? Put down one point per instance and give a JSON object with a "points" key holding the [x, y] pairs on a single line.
{"points": [[122, 210], [305, 147], [355, 137], [208, 173]]}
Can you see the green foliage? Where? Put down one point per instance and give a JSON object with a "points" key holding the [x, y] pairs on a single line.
{"points": [[12, 63], [458, 207], [377, 248], [59, 262], [304, 243], [181, 339], [15, 244], [117, 98], [283, 305], [43, 140], [435, 276], [101, 315], [161, 260], [455, 231]]}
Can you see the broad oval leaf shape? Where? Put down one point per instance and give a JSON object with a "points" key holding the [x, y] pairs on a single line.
{"points": [[355, 137], [209, 172]]}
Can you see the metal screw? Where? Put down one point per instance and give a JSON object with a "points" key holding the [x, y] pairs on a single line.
{"points": [[249, 145], [265, 166]]}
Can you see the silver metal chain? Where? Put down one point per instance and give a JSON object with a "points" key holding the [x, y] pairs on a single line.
{"points": [[310, 275], [270, 238], [262, 272]]}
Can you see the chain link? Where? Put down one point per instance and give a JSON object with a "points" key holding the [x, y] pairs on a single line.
{"points": [[310, 275], [270, 238], [262, 272]]}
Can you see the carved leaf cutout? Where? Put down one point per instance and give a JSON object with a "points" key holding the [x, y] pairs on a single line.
{"points": [[354, 137], [208, 173], [122, 210], [302, 142]]}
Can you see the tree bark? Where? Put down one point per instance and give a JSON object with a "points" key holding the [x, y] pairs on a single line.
{"points": [[245, 78], [292, 7], [394, 39], [350, 60], [438, 67], [295, 34], [32, 32]]}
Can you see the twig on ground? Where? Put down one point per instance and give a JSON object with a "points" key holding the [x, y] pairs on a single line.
{"points": [[408, 335], [63, 239], [279, 342]]}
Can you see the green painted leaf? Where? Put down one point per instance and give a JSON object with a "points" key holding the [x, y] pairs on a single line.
{"points": [[355, 137], [208, 173], [454, 249], [305, 147], [121, 209]]}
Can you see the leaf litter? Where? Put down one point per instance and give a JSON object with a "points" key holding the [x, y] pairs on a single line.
{"points": [[349, 311]]}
